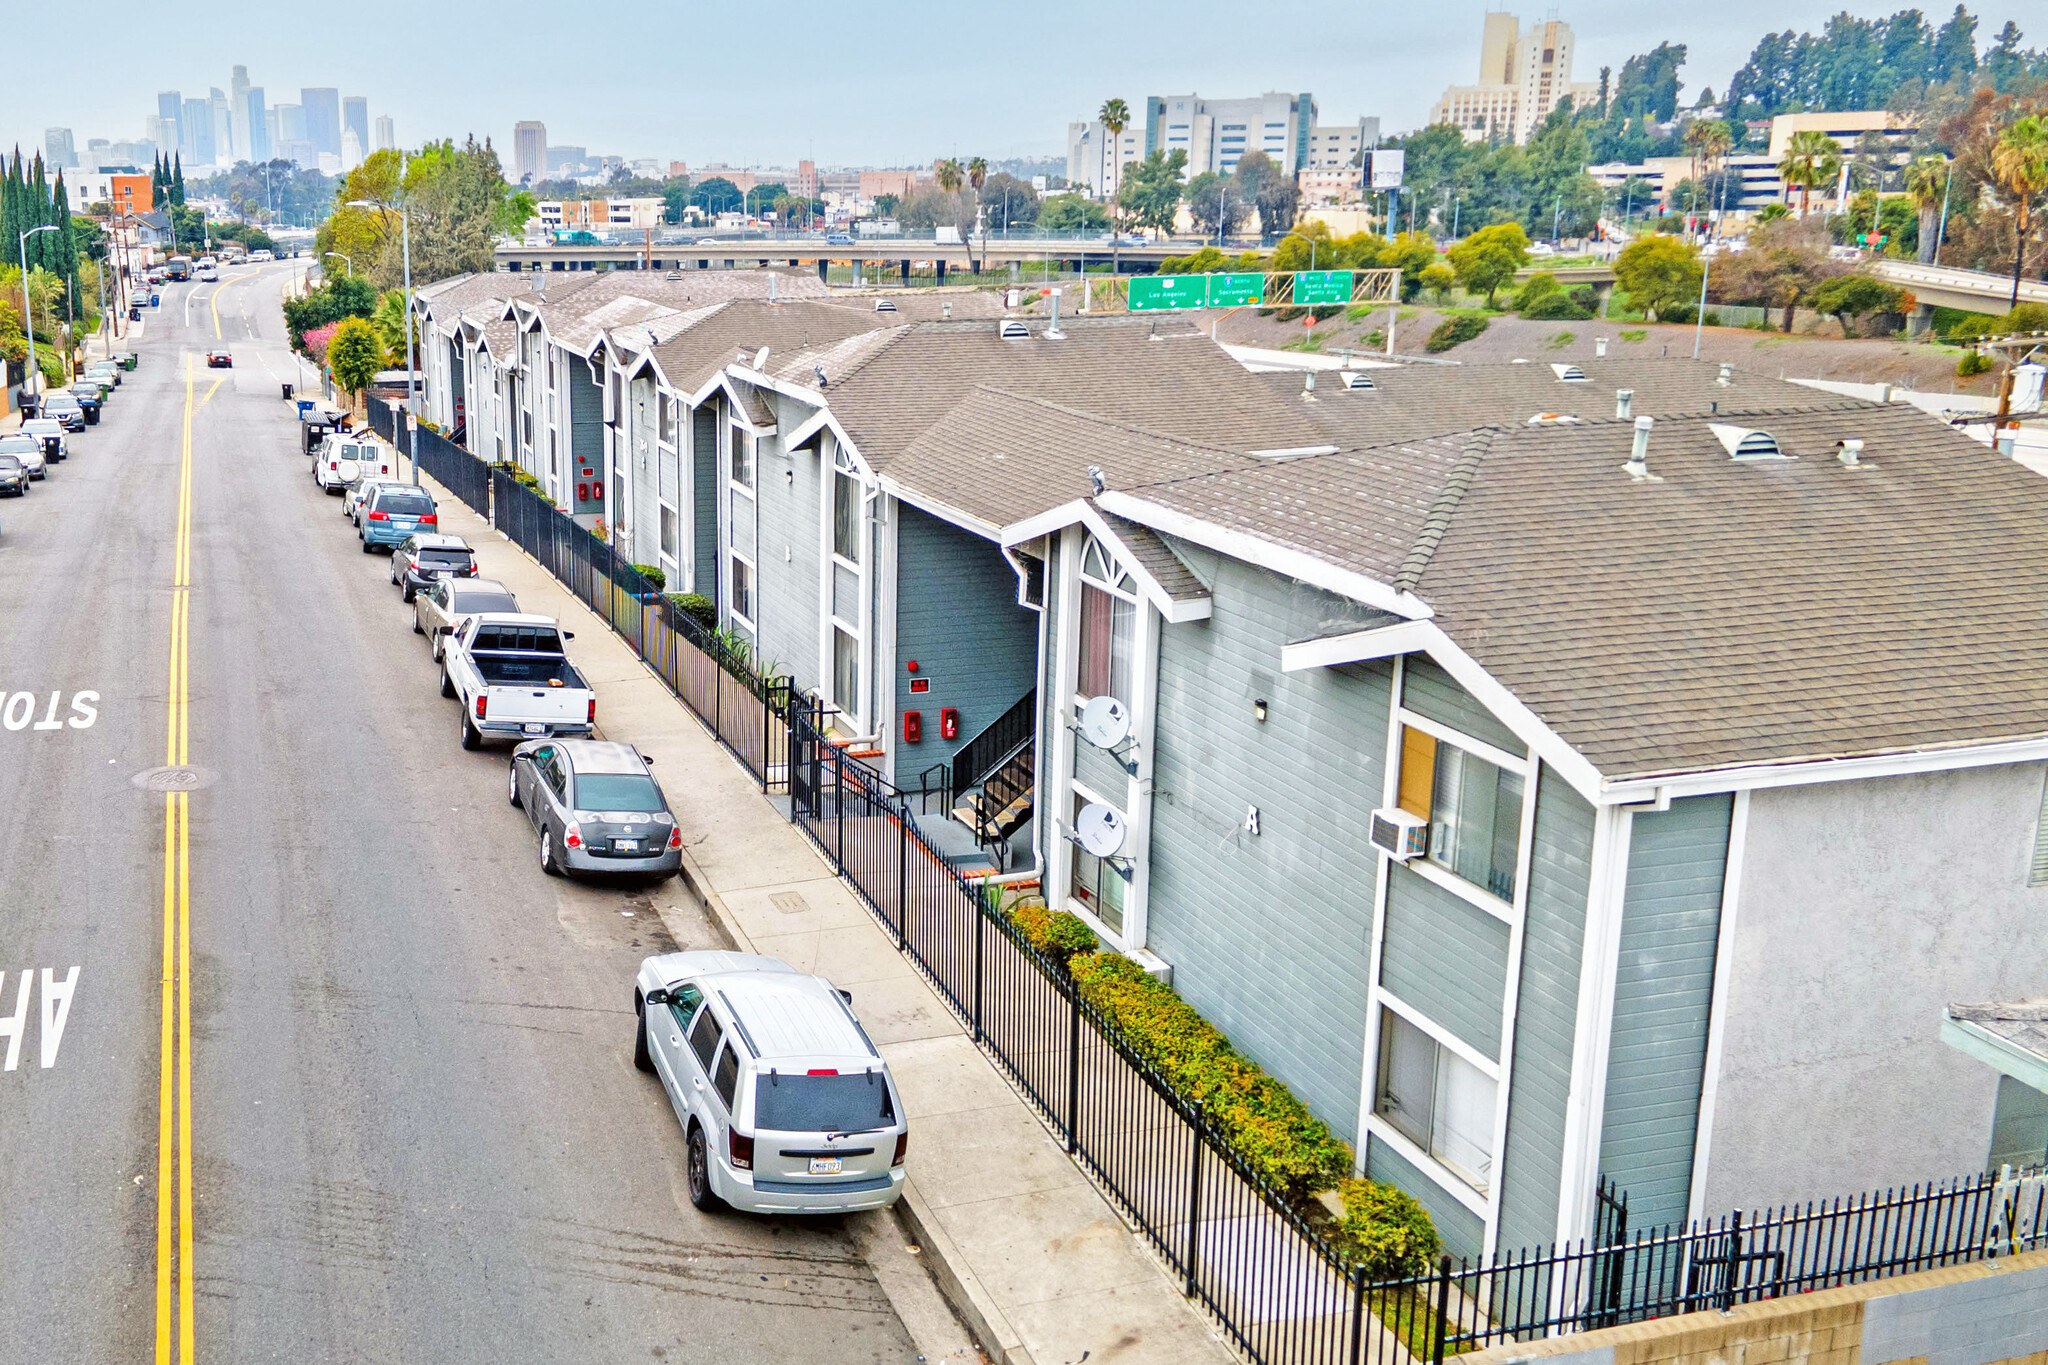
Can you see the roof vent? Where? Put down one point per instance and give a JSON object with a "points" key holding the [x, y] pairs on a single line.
{"points": [[1624, 403], [1638, 466], [885, 305], [1600, 347], [1553, 419], [1727, 375], [1849, 452], [1746, 444], [1569, 374], [946, 309], [1308, 384], [1355, 380], [1013, 329]]}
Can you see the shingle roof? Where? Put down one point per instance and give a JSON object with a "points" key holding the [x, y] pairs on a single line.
{"points": [[1157, 558], [692, 356], [1428, 400]]}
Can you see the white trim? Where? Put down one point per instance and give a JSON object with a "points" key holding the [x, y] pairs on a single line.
{"points": [[884, 654], [1804, 772], [1478, 748], [2001, 1054], [1049, 522], [1358, 646], [1593, 1032], [1439, 1174], [1478, 897], [1264, 553], [1510, 1014], [1443, 1036], [1176, 610], [1060, 859], [1717, 1009], [1138, 785], [1390, 791], [1544, 743]]}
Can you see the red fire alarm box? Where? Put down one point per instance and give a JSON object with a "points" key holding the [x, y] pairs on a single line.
{"points": [[913, 727], [949, 723], [583, 492]]}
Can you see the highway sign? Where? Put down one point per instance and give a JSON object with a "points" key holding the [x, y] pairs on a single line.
{"points": [[1150, 292], [1235, 291], [1321, 286]]}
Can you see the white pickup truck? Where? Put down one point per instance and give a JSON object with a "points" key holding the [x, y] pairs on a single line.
{"points": [[514, 680]]}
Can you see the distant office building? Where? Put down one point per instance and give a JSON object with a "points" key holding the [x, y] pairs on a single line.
{"points": [[57, 148], [1751, 183], [321, 108], [566, 160], [256, 120], [678, 169], [1523, 75], [387, 136], [222, 120], [170, 107], [95, 153], [1335, 146], [143, 153], [300, 152], [529, 151], [238, 116], [355, 115], [195, 133], [351, 150], [902, 184], [291, 123], [805, 184], [1217, 133], [1092, 163], [1847, 128]]}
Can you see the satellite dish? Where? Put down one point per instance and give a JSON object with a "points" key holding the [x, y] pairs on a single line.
{"points": [[1105, 722], [761, 359], [1099, 829]]}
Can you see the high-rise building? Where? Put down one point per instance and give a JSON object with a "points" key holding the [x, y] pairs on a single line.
{"points": [[355, 114], [1217, 133], [321, 108], [291, 123], [1092, 162], [351, 150], [1523, 75], [57, 148], [238, 115], [96, 153], [258, 123], [223, 128], [529, 151], [170, 109], [195, 133], [387, 136]]}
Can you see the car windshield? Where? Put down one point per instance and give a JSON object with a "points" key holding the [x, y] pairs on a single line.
{"points": [[403, 502], [822, 1104], [485, 601], [616, 791], [9, 465]]}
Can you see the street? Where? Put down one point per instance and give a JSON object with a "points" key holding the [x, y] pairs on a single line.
{"points": [[340, 1075]]}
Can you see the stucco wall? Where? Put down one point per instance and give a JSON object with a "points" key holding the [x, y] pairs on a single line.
{"points": [[1864, 908]]}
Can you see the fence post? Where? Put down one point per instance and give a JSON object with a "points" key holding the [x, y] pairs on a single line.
{"points": [[767, 717], [903, 881], [1443, 1310], [1073, 1066], [1357, 1312], [981, 917], [1194, 1199], [839, 805], [1734, 1261]]}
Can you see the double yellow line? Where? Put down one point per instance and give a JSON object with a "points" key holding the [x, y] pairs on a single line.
{"points": [[174, 1083]]}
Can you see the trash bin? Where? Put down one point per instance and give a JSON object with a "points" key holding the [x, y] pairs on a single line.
{"points": [[287, 393], [135, 313]]}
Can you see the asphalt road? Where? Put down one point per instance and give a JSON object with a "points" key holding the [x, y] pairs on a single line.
{"points": [[410, 1128]]}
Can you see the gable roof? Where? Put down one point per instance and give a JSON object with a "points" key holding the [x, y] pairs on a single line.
{"points": [[693, 356]]}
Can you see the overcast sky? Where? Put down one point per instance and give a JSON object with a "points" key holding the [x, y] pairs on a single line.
{"points": [[890, 82]]}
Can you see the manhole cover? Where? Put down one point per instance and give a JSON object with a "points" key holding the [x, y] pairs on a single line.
{"points": [[178, 779]]}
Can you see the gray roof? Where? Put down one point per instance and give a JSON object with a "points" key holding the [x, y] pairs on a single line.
{"points": [[2023, 1023], [1428, 400], [693, 356]]}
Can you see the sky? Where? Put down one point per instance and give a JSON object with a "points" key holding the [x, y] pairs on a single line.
{"points": [[888, 82]]}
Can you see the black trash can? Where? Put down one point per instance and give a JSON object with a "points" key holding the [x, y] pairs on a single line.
{"points": [[287, 392]]}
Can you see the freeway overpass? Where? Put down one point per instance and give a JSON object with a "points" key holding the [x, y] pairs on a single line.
{"points": [[1973, 291], [879, 254]]}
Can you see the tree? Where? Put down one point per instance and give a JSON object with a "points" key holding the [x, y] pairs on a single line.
{"points": [[355, 355], [1151, 196], [1709, 141], [715, 195], [1115, 116], [1437, 278], [950, 175], [1271, 190], [177, 185], [1811, 158], [1927, 184], [390, 321], [1489, 258], [1785, 261], [1409, 252], [1848, 297], [1071, 213], [1215, 205], [1660, 274], [2020, 166], [1009, 202], [886, 205], [675, 197], [1648, 85]]}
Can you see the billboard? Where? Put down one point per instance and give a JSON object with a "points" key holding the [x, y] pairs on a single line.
{"points": [[1386, 165]]}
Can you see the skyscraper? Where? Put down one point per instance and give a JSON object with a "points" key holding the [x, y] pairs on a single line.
{"points": [[238, 115], [223, 128], [322, 110], [57, 148], [387, 136], [170, 109], [355, 115], [258, 122], [1523, 75], [529, 151], [195, 133]]}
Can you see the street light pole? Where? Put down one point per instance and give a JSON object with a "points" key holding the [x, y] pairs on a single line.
{"points": [[347, 260], [28, 312]]}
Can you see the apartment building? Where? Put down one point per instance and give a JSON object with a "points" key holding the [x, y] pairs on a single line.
{"points": [[1523, 75], [1095, 158], [1216, 133], [1847, 128], [599, 215]]}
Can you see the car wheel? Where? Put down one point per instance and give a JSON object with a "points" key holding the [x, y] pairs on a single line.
{"points": [[448, 686], [409, 594], [417, 629], [547, 854], [642, 1058], [699, 1162], [366, 545], [512, 783], [472, 738]]}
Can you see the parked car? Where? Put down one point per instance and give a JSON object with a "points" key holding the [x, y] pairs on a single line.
{"points": [[29, 451], [259, 255], [219, 360], [785, 1104], [595, 807], [13, 476], [60, 406], [129, 359], [441, 608], [90, 399], [352, 496], [109, 370], [422, 561], [340, 459], [514, 680], [393, 512], [50, 432], [839, 239]]}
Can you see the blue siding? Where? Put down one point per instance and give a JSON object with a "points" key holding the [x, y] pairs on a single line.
{"points": [[585, 429], [957, 616], [1446, 957], [703, 514], [1546, 1014], [1664, 985], [1427, 690], [1462, 1231], [1269, 934], [786, 499], [1098, 771]]}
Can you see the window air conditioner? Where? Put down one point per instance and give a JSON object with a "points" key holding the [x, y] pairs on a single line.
{"points": [[1399, 834]]}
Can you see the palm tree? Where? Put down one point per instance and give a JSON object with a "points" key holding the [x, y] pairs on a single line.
{"points": [[1927, 186], [949, 175], [1710, 142], [1115, 116], [1811, 158], [2020, 165]]}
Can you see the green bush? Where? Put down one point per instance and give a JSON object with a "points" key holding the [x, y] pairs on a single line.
{"points": [[1555, 306], [1455, 330], [1385, 1232], [697, 607], [656, 579], [1061, 937], [1974, 363], [1537, 287]]}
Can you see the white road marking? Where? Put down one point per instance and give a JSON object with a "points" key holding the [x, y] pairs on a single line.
{"points": [[56, 1012], [17, 709]]}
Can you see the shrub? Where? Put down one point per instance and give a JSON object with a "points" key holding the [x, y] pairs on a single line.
{"points": [[1555, 306], [1385, 1232], [697, 607], [1438, 279], [1061, 937], [1455, 330], [1974, 363], [656, 579], [1538, 287]]}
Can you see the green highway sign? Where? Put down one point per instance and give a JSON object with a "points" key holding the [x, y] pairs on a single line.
{"points": [[1321, 286], [1235, 291], [1150, 292]]}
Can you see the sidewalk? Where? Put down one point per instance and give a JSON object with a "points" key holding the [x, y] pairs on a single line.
{"points": [[1031, 1256]]}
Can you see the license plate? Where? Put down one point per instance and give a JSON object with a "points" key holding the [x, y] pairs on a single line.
{"points": [[534, 729], [824, 1165], [625, 845]]}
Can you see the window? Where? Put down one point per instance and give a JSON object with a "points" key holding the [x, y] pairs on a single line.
{"points": [[856, 1102], [1436, 1099], [725, 1078], [1474, 809], [846, 516], [1109, 625], [845, 672], [668, 420], [704, 1038], [742, 458], [682, 1003], [668, 531], [1096, 883], [743, 590]]}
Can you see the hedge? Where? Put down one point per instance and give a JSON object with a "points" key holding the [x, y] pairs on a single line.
{"points": [[697, 607], [1385, 1231], [1455, 330]]}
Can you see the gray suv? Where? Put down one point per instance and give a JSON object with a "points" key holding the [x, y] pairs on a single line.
{"points": [[595, 807]]}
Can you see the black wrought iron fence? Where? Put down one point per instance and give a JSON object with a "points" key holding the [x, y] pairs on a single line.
{"points": [[441, 459]]}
